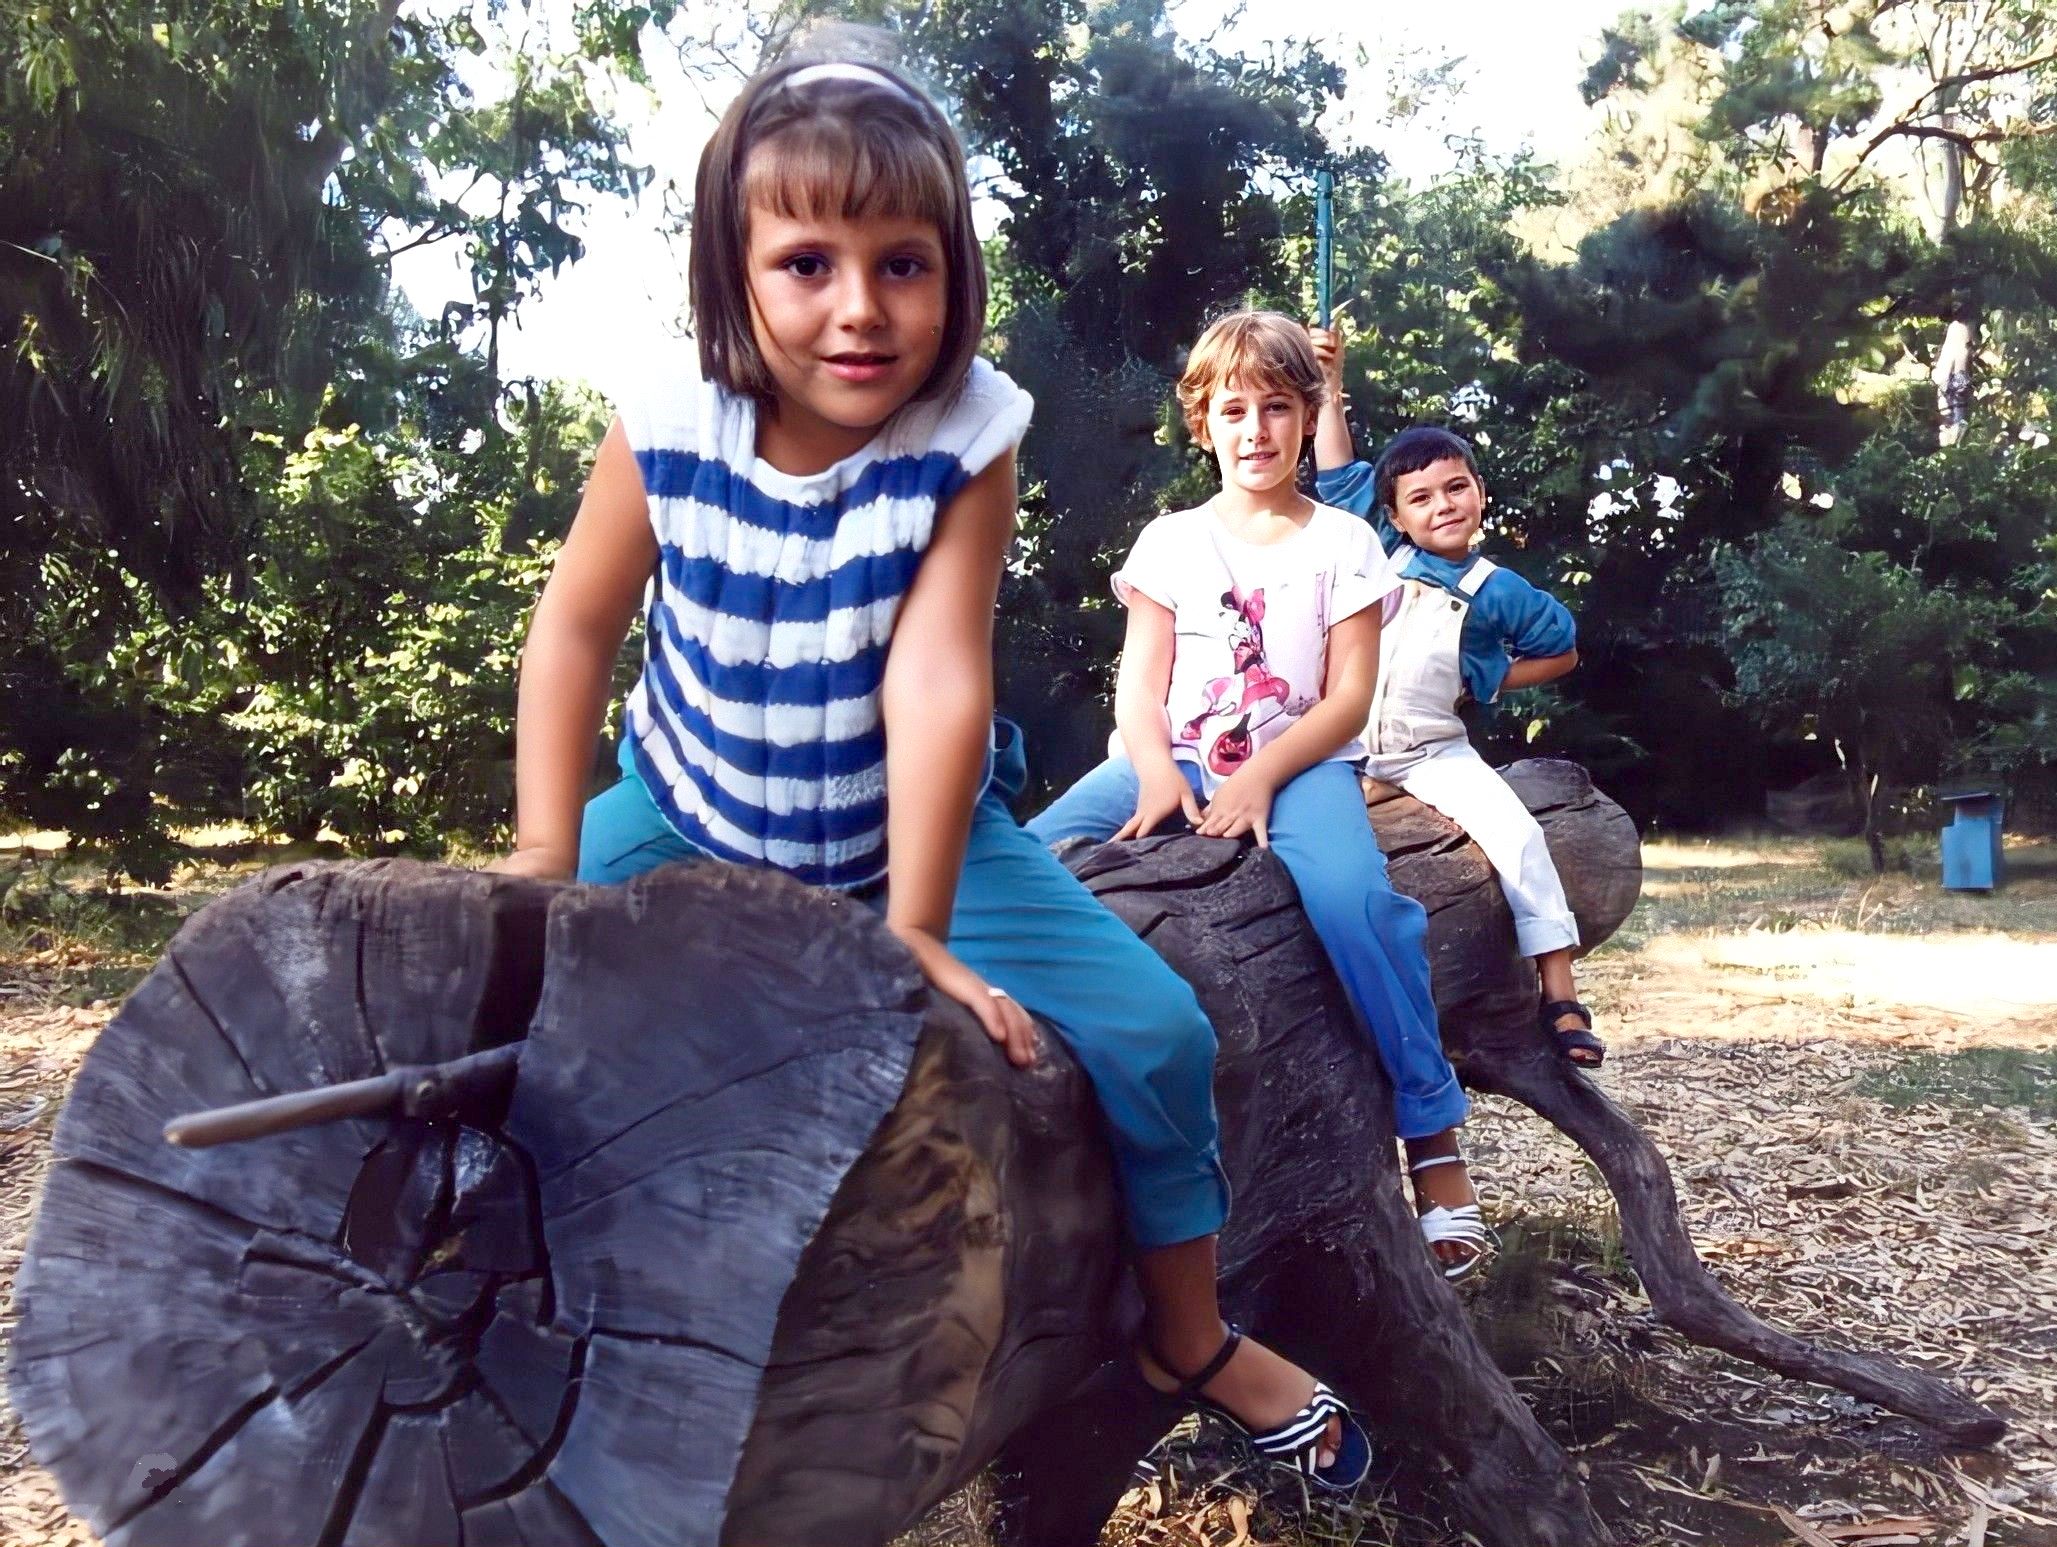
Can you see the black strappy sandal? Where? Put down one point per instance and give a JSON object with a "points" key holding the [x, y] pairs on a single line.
{"points": [[1573, 1040], [1296, 1442]]}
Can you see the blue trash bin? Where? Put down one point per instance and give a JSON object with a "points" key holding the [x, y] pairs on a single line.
{"points": [[1972, 860]]}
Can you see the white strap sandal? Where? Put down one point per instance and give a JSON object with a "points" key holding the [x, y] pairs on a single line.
{"points": [[1463, 1226]]}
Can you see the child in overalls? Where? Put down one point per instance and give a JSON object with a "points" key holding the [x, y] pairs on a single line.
{"points": [[1465, 627]]}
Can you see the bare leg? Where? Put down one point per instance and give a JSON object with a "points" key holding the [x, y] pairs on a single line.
{"points": [[1554, 968], [1183, 1330], [1441, 1187]]}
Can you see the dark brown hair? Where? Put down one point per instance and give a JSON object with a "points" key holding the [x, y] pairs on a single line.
{"points": [[853, 138], [1415, 450], [1265, 351]]}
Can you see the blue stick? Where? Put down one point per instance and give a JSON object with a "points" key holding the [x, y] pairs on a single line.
{"points": [[1324, 243]]}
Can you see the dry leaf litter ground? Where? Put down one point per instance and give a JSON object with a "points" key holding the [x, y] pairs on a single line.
{"points": [[1855, 1081]]}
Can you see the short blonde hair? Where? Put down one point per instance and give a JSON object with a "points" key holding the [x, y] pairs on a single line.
{"points": [[1265, 351], [814, 138]]}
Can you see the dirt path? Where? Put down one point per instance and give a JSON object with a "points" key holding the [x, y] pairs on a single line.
{"points": [[1856, 1082], [41, 1043]]}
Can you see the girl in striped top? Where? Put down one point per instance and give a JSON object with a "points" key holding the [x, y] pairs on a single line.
{"points": [[812, 527]]}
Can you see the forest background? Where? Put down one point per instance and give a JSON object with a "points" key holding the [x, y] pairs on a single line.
{"points": [[1762, 379]]}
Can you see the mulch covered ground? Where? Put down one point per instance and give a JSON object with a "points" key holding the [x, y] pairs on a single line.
{"points": [[1857, 1100]]}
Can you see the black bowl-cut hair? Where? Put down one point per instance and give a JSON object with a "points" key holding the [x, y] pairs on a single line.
{"points": [[1422, 445]]}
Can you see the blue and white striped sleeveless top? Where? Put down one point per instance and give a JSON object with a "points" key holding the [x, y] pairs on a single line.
{"points": [[756, 723]]}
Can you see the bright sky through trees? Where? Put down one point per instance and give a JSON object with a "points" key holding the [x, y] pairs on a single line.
{"points": [[1519, 66]]}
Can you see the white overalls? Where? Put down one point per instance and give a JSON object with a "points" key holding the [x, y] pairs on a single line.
{"points": [[1417, 742]]}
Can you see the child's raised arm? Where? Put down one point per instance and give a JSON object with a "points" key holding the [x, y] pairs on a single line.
{"points": [[937, 702], [568, 660], [1332, 447]]}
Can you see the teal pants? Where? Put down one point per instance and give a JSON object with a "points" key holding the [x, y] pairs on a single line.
{"points": [[1025, 925], [1376, 938]]}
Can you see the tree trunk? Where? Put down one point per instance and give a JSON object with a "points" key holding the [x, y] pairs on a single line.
{"points": [[1955, 359], [1953, 378], [1322, 1255], [764, 1246], [1864, 794]]}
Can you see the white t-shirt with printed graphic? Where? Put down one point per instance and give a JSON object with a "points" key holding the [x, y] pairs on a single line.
{"points": [[1250, 623]]}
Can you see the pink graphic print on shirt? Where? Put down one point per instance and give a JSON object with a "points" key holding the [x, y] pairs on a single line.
{"points": [[1252, 686]]}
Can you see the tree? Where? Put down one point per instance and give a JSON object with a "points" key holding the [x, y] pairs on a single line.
{"points": [[361, 676], [1931, 103], [198, 204], [1852, 647], [1757, 304]]}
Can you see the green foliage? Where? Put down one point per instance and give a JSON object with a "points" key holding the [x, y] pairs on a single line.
{"points": [[1918, 854], [267, 539], [223, 429], [1625, 50], [1977, 519], [1853, 648], [1794, 82], [1755, 323], [1798, 89], [365, 671], [360, 676]]}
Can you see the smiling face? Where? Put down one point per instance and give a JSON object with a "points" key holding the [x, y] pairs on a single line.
{"points": [[848, 317], [1439, 508], [1255, 433]]}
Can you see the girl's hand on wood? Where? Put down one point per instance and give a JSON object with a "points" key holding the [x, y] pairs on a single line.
{"points": [[542, 863], [1005, 1021], [1160, 796], [1241, 805]]}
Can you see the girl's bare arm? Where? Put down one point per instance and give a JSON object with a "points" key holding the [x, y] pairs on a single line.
{"points": [[1142, 682], [938, 707], [1141, 686], [1347, 685], [568, 660]]}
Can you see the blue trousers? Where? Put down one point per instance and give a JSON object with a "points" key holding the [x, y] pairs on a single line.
{"points": [[1025, 925], [1375, 937]]}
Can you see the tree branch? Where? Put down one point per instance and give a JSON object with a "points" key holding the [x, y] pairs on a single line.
{"points": [[1990, 72], [427, 239], [324, 152], [1902, 127]]}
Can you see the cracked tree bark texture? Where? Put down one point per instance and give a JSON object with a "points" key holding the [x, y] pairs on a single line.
{"points": [[766, 1247]]}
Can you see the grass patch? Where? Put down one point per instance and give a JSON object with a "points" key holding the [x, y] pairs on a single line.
{"points": [[72, 939], [1976, 1077], [1774, 884], [1915, 854], [44, 904]]}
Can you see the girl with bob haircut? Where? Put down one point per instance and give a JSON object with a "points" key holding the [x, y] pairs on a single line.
{"points": [[1246, 679], [812, 526]]}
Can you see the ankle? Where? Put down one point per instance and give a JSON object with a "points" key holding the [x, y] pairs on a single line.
{"points": [[1437, 1146], [1179, 1352]]}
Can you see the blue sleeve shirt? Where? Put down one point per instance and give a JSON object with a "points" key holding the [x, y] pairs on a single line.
{"points": [[1351, 487], [1508, 619]]}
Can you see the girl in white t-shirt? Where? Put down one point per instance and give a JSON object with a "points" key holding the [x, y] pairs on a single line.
{"points": [[1246, 679]]}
